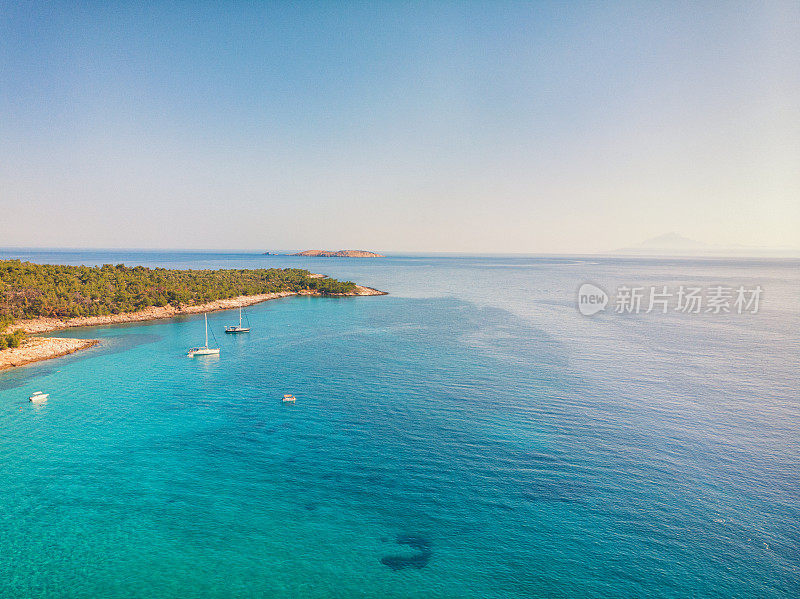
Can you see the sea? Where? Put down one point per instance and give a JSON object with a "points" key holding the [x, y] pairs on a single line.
{"points": [[471, 434]]}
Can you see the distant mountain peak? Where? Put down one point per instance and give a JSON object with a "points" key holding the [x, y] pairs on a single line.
{"points": [[671, 240], [673, 244], [668, 243]]}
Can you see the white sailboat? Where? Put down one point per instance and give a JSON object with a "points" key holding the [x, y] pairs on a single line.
{"points": [[237, 329], [205, 350]]}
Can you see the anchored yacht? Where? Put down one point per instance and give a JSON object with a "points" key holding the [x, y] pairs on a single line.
{"points": [[237, 329], [205, 350]]}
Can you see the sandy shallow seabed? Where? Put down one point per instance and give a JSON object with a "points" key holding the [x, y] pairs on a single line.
{"points": [[35, 349]]}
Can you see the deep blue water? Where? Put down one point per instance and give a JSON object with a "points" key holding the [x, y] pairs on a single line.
{"points": [[468, 435]]}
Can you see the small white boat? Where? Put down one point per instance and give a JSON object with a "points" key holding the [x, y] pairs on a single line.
{"points": [[205, 350], [288, 397], [237, 329], [39, 397]]}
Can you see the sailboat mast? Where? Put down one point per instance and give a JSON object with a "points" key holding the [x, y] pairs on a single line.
{"points": [[206, 317], [240, 317]]}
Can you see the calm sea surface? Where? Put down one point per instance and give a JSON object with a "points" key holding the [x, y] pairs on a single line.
{"points": [[468, 435]]}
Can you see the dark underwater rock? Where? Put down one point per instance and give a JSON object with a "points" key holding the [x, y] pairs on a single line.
{"points": [[418, 560]]}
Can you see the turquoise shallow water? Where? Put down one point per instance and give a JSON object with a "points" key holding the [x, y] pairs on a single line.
{"points": [[512, 446]]}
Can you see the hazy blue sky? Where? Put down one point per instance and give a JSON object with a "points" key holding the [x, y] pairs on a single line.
{"points": [[485, 127]]}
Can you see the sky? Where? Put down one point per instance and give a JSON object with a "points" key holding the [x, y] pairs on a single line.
{"points": [[480, 127]]}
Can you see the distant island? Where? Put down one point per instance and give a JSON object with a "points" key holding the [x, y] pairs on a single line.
{"points": [[339, 254], [38, 298]]}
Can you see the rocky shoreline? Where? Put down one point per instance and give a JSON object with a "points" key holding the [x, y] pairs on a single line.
{"points": [[36, 349]]}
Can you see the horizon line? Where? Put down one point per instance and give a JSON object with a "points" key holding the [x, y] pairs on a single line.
{"points": [[770, 253]]}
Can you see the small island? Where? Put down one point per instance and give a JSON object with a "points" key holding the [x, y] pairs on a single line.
{"points": [[40, 298], [339, 254]]}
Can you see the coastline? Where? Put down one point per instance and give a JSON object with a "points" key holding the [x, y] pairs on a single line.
{"points": [[37, 349]]}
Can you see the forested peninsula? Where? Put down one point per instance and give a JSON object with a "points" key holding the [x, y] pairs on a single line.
{"points": [[45, 297]]}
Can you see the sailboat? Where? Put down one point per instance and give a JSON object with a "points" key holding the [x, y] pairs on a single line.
{"points": [[237, 329], [205, 350]]}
